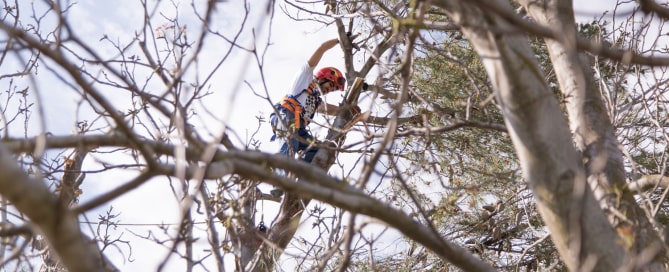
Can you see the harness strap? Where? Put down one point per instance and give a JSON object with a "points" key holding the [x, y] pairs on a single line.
{"points": [[311, 87], [291, 104]]}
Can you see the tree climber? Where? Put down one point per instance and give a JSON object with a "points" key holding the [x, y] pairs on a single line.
{"points": [[298, 108]]}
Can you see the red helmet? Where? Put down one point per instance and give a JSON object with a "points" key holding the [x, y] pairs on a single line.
{"points": [[331, 74]]}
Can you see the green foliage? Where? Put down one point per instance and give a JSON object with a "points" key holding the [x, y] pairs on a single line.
{"points": [[457, 172]]}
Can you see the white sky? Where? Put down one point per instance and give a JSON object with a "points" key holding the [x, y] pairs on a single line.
{"points": [[292, 43]]}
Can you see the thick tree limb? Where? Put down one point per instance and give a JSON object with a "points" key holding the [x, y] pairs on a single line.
{"points": [[648, 182], [316, 184], [55, 221], [541, 138], [596, 48], [593, 132]]}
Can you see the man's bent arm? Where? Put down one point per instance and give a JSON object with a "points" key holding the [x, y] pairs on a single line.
{"points": [[318, 54]]}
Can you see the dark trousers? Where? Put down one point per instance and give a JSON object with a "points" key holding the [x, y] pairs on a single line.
{"points": [[298, 142]]}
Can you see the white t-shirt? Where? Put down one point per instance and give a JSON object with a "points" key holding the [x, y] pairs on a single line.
{"points": [[304, 77]]}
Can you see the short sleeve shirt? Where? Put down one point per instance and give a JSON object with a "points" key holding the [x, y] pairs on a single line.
{"points": [[309, 102]]}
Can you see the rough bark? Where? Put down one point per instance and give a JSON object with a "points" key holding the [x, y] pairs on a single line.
{"points": [[550, 163], [593, 133], [54, 219]]}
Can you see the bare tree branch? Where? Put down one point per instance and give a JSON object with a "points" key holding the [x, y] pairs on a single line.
{"points": [[537, 128], [596, 48], [648, 182], [58, 224]]}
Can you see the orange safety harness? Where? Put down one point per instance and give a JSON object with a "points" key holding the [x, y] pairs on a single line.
{"points": [[290, 103]]}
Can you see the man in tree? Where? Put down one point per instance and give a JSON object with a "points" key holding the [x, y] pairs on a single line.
{"points": [[298, 107]]}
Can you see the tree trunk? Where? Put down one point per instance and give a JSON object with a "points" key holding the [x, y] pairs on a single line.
{"points": [[541, 138], [590, 124]]}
